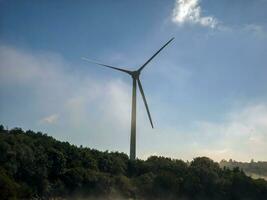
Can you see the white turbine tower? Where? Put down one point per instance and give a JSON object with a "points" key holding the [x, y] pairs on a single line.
{"points": [[135, 77]]}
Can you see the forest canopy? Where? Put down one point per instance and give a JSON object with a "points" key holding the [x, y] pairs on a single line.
{"points": [[34, 165]]}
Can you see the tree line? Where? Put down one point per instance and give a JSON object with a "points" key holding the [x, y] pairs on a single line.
{"points": [[34, 165]]}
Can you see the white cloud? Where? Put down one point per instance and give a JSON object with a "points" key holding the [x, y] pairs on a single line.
{"points": [[52, 119], [257, 30], [242, 135], [190, 11], [96, 112], [92, 111], [15, 67]]}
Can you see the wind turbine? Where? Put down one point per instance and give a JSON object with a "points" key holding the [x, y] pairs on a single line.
{"points": [[135, 76]]}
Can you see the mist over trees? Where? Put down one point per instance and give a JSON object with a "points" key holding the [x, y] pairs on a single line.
{"points": [[254, 169], [36, 166]]}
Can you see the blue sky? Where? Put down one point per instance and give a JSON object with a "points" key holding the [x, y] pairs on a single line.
{"points": [[206, 91]]}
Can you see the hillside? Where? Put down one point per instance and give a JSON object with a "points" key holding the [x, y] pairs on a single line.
{"points": [[36, 166]]}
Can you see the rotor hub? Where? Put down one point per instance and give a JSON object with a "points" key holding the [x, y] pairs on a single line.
{"points": [[135, 74]]}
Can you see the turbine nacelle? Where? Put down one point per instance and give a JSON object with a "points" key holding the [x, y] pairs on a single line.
{"points": [[135, 74]]}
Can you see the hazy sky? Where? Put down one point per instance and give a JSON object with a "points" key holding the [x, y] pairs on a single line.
{"points": [[207, 91]]}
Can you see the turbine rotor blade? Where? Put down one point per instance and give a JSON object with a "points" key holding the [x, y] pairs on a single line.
{"points": [[109, 66], [142, 67], [144, 99]]}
